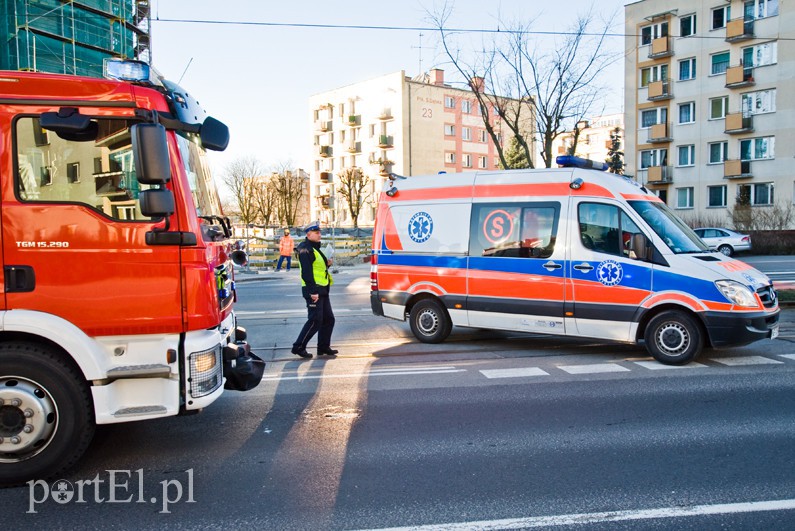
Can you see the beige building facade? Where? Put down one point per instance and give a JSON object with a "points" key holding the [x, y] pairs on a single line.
{"points": [[593, 141], [394, 124], [710, 103]]}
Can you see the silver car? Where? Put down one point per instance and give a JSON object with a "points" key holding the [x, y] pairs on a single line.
{"points": [[724, 240]]}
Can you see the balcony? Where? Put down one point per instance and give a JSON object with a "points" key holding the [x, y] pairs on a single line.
{"points": [[354, 120], [385, 168], [323, 125], [385, 114], [660, 175], [660, 90], [354, 147], [739, 77], [739, 30], [736, 124], [385, 141], [660, 133], [737, 169], [325, 176], [324, 151], [661, 47]]}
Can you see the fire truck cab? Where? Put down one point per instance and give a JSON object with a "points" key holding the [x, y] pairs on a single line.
{"points": [[118, 282], [569, 251]]}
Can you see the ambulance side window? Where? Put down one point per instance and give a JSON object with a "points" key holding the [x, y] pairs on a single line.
{"points": [[98, 173], [606, 228], [514, 230]]}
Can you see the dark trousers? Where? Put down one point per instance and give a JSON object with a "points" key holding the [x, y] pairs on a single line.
{"points": [[319, 319], [281, 259]]}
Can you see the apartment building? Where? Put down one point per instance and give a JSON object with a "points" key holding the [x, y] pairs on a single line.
{"points": [[66, 37], [395, 124], [593, 139], [710, 103]]}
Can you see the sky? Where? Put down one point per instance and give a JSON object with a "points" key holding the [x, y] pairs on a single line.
{"points": [[257, 77]]}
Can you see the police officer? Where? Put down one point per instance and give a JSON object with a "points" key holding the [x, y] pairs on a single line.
{"points": [[315, 283]]}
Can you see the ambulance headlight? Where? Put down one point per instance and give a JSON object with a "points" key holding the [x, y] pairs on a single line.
{"points": [[736, 293]]}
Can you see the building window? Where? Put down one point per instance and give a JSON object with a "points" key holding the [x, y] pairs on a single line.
{"points": [[757, 148], [73, 172], [687, 155], [720, 16], [653, 157], [765, 8], [449, 158], [466, 106], [449, 102], [716, 196], [756, 194], [466, 133], [449, 130], [719, 62], [482, 163], [652, 74], [718, 152], [687, 113], [372, 130], [687, 69], [687, 25], [466, 160], [484, 136], [760, 54], [684, 197], [718, 107], [650, 117], [653, 31], [759, 102]]}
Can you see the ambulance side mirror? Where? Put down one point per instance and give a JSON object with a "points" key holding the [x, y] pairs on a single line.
{"points": [[639, 247]]}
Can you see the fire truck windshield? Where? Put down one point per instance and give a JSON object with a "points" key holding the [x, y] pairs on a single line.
{"points": [[202, 186]]}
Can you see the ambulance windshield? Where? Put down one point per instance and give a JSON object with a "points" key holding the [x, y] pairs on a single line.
{"points": [[677, 236]]}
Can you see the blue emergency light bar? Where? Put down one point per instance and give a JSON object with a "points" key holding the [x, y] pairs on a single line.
{"points": [[570, 161]]}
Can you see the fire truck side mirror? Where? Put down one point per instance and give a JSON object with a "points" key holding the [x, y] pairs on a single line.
{"points": [[150, 151], [69, 124], [214, 134], [156, 203]]}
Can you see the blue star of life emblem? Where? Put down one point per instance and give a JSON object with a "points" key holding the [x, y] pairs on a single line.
{"points": [[609, 272], [420, 227]]}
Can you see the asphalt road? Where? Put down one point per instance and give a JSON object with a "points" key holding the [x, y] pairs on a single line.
{"points": [[486, 431]]}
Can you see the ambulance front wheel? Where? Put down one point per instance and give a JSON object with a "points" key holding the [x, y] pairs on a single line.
{"points": [[674, 338], [429, 321]]}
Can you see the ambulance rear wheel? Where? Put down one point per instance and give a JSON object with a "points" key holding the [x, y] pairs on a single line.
{"points": [[674, 338], [46, 415], [429, 321]]}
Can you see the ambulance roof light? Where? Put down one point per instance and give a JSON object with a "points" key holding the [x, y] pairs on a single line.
{"points": [[570, 161]]}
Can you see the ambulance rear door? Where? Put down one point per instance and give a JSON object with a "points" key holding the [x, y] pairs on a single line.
{"points": [[607, 285], [517, 267]]}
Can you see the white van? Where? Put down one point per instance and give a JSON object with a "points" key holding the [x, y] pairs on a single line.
{"points": [[566, 251]]}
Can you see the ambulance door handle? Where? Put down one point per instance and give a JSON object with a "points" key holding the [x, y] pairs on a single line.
{"points": [[549, 266], [584, 267]]}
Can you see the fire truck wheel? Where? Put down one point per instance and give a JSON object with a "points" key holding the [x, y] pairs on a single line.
{"points": [[674, 338], [429, 321], [46, 414]]}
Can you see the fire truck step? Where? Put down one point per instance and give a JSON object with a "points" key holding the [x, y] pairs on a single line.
{"points": [[136, 371], [138, 411]]}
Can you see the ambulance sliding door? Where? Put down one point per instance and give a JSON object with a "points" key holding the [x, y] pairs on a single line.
{"points": [[516, 273], [608, 286]]}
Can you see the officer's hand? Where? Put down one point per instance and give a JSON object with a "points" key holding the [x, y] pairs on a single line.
{"points": [[314, 297]]}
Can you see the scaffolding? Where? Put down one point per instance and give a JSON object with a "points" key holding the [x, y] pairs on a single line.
{"points": [[72, 36]]}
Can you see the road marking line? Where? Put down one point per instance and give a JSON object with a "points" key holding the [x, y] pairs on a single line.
{"points": [[738, 361], [357, 375], [788, 356], [593, 369], [514, 373], [611, 516], [656, 365]]}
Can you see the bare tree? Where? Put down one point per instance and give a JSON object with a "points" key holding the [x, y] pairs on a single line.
{"points": [[241, 178], [353, 184], [289, 187], [266, 200], [519, 79]]}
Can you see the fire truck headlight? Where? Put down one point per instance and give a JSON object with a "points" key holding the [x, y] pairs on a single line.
{"points": [[736, 293], [205, 371], [202, 361]]}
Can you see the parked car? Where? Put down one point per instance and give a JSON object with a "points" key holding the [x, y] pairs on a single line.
{"points": [[724, 240]]}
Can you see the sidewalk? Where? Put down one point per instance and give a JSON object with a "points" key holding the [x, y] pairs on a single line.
{"points": [[241, 275]]}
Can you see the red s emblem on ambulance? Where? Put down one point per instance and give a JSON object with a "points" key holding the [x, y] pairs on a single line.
{"points": [[497, 226]]}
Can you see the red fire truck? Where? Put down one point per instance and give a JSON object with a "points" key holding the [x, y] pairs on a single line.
{"points": [[117, 265]]}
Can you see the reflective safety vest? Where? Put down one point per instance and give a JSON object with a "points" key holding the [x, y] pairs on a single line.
{"points": [[319, 271], [286, 246]]}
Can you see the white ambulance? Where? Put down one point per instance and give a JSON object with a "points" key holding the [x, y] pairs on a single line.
{"points": [[569, 251]]}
